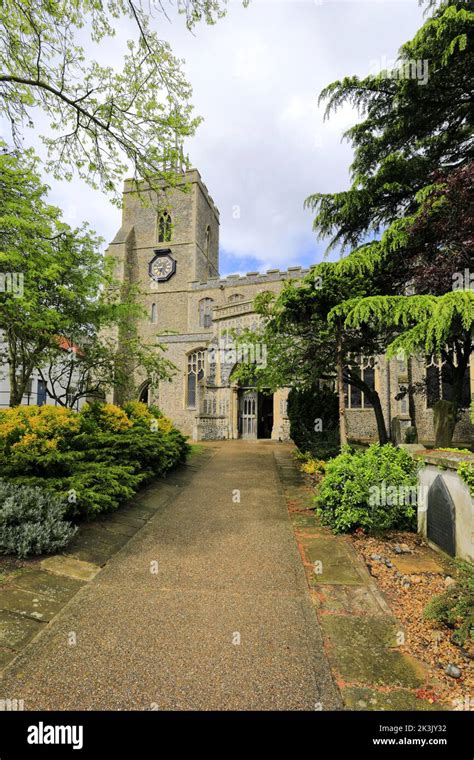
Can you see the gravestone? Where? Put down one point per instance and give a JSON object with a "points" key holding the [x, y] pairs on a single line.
{"points": [[441, 517]]}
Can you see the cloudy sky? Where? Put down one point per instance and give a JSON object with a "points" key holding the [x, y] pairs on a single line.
{"points": [[263, 146]]}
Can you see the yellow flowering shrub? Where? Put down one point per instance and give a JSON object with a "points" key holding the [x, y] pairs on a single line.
{"points": [[313, 466], [34, 444], [37, 422], [109, 417], [164, 424], [137, 410]]}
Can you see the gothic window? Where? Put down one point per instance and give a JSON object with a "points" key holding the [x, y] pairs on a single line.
{"points": [[205, 312], [235, 297], [208, 240], [153, 313], [355, 398], [164, 227], [439, 382], [195, 372]]}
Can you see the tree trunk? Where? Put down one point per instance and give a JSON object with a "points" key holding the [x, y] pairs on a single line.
{"points": [[340, 391], [381, 427]]}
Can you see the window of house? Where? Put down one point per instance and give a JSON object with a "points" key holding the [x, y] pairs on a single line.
{"points": [[41, 393], [439, 382], [153, 313], [355, 398], [164, 227], [195, 372], [205, 312]]}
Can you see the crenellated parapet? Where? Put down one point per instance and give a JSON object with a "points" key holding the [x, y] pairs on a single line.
{"points": [[251, 278]]}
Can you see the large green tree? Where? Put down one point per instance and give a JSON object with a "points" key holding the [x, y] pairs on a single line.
{"points": [[58, 296], [412, 129], [407, 216], [101, 119]]}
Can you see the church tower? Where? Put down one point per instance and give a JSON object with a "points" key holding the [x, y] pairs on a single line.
{"points": [[167, 240]]}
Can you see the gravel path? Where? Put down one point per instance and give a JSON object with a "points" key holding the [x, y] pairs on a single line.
{"points": [[206, 607]]}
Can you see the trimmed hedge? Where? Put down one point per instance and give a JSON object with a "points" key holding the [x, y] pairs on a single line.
{"points": [[94, 459]]}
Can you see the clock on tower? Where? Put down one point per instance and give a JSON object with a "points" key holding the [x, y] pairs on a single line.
{"points": [[162, 266]]}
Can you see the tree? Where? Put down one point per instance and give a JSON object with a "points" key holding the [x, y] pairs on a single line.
{"points": [[412, 179], [101, 120], [67, 295], [413, 129], [100, 366]]}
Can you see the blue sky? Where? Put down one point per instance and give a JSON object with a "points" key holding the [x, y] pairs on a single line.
{"points": [[263, 146]]}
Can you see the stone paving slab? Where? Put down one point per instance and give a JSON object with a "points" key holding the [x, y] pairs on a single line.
{"points": [[335, 564], [29, 604], [361, 652], [412, 565], [56, 587], [15, 630], [70, 566], [117, 528], [338, 599]]}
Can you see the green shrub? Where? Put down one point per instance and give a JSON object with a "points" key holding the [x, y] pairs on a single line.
{"points": [[32, 521], [466, 472], [454, 608], [314, 421], [374, 489], [95, 459]]}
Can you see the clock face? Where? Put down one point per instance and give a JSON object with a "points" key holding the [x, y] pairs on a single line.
{"points": [[162, 267]]}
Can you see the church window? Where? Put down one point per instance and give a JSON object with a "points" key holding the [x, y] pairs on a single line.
{"points": [[205, 312], [153, 313], [164, 227], [208, 240], [235, 297], [356, 398], [195, 372]]}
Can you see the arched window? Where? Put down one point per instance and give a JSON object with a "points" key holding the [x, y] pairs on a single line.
{"points": [[205, 312], [164, 227], [235, 297], [153, 313], [194, 372], [208, 240]]}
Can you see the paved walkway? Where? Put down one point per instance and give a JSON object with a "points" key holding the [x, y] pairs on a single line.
{"points": [[206, 607]]}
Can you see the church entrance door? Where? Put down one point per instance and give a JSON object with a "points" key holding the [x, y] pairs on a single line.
{"points": [[255, 414], [248, 403]]}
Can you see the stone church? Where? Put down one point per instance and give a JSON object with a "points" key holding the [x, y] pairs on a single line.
{"points": [[173, 256]]}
